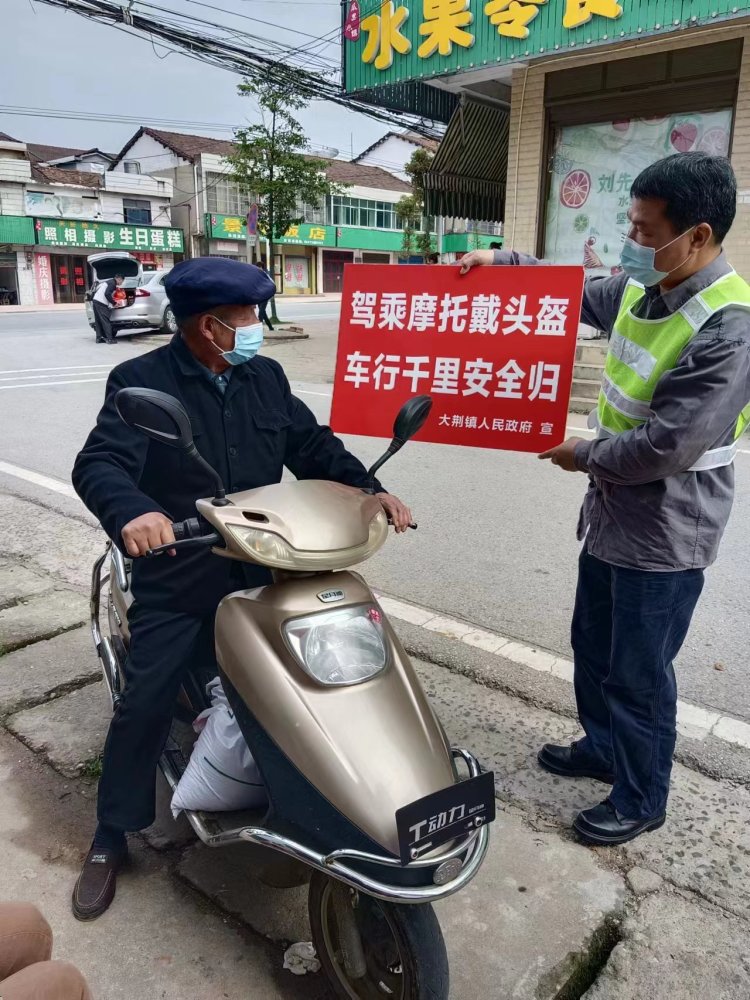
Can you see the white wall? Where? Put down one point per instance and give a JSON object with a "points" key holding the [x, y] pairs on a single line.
{"points": [[26, 281], [12, 200], [216, 164], [391, 155], [13, 170], [151, 155], [186, 208], [138, 185], [374, 194], [111, 208]]}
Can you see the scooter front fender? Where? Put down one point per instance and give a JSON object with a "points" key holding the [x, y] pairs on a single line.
{"points": [[368, 748]]}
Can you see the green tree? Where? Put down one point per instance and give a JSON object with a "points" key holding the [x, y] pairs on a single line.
{"points": [[417, 237], [270, 165]]}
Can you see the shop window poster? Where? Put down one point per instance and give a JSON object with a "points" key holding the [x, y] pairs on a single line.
{"points": [[296, 272], [593, 167]]}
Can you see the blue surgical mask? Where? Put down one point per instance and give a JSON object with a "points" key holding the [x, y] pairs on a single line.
{"points": [[638, 262], [248, 340]]}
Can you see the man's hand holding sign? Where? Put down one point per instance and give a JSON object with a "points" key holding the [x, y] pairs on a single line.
{"points": [[494, 348]]}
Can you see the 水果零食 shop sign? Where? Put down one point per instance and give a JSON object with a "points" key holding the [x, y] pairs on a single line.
{"points": [[389, 41]]}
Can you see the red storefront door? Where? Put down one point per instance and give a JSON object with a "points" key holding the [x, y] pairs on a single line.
{"points": [[68, 277], [333, 269]]}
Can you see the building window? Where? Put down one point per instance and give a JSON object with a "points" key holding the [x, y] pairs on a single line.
{"points": [[470, 226], [132, 167], [223, 196], [363, 213], [316, 216], [136, 211]]}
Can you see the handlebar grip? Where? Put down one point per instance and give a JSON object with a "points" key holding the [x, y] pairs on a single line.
{"points": [[190, 528], [213, 538]]}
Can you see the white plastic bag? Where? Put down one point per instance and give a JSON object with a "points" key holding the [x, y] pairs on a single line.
{"points": [[301, 959], [221, 775]]}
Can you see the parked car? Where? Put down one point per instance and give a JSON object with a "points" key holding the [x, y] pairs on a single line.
{"points": [[147, 304]]}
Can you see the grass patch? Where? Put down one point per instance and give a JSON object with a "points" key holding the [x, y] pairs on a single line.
{"points": [[92, 768]]}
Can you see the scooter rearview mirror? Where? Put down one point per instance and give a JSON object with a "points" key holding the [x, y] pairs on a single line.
{"points": [[163, 418], [156, 414], [410, 420], [412, 417]]}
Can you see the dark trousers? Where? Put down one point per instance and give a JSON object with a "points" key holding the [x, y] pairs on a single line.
{"points": [[628, 626], [263, 314], [103, 322], [163, 645]]}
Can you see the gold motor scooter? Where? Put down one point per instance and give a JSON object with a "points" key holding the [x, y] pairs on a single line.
{"points": [[364, 797]]}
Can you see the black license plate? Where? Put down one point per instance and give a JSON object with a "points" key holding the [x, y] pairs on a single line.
{"points": [[449, 814]]}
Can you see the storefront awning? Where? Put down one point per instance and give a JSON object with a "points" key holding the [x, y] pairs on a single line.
{"points": [[468, 175]]}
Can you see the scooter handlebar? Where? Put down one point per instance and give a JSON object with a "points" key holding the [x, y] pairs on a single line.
{"points": [[190, 528], [192, 531]]}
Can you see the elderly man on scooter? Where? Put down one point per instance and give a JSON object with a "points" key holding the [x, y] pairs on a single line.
{"points": [[249, 426]]}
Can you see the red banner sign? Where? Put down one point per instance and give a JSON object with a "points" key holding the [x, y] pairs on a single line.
{"points": [[43, 275], [351, 28], [495, 349]]}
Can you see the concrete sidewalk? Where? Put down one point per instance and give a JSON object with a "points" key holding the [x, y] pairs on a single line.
{"points": [[546, 919]]}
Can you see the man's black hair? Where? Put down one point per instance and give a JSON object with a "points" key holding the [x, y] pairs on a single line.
{"points": [[695, 187], [496, 246], [119, 276]]}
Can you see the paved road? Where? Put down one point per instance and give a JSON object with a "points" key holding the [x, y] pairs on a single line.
{"points": [[496, 542]]}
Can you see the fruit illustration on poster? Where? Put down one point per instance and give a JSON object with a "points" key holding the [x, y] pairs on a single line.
{"points": [[575, 189], [683, 137]]}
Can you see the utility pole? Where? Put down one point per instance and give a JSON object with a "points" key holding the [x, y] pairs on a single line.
{"points": [[251, 237]]}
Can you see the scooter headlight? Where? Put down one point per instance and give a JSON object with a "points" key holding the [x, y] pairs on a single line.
{"points": [[269, 549], [341, 647]]}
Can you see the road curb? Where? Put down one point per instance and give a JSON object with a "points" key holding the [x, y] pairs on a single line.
{"points": [[693, 721]]}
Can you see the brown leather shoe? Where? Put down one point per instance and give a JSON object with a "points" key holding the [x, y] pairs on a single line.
{"points": [[95, 888]]}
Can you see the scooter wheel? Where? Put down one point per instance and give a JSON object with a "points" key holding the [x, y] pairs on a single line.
{"points": [[369, 949]]}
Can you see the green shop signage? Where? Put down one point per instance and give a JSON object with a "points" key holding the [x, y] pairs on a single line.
{"points": [[226, 227], [108, 236], [308, 235], [399, 40], [234, 227], [16, 229]]}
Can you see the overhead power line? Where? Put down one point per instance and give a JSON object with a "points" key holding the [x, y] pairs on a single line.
{"points": [[174, 29], [83, 116]]}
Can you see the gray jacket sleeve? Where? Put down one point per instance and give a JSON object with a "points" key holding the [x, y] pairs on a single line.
{"points": [[601, 296], [695, 408]]}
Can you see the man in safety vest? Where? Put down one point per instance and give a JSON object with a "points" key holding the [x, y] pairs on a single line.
{"points": [[673, 404]]}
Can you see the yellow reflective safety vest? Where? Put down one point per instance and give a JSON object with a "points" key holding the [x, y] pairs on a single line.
{"points": [[641, 351]]}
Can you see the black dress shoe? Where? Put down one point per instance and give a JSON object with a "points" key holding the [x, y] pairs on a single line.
{"points": [[570, 762], [95, 888], [604, 825]]}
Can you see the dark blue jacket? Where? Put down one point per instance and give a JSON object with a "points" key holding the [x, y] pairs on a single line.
{"points": [[248, 435]]}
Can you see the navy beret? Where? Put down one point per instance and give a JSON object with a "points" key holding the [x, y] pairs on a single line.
{"points": [[204, 283]]}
